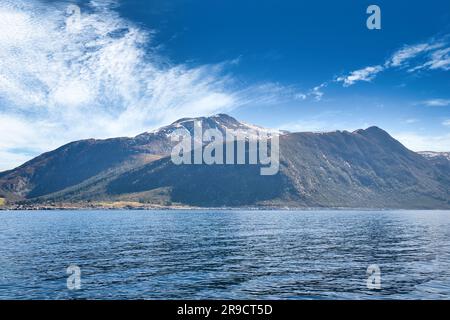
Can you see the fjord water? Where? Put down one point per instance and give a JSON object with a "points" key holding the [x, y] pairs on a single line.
{"points": [[224, 254]]}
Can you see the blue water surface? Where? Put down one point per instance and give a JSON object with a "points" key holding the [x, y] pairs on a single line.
{"points": [[224, 254]]}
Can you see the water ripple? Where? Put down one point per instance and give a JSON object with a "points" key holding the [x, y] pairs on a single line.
{"points": [[225, 254]]}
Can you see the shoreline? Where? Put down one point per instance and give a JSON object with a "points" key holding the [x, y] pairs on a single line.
{"points": [[190, 208]]}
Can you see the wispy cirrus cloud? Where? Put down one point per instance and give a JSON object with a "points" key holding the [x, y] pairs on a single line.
{"points": [[98, 80], [317, 92], [439, 59], [403, 56], [366, 74], [435, 102], [431, 55], [423, 142]]}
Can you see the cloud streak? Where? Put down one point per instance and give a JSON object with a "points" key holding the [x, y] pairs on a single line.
{"points": [[366, 74], [436, 102], [432, 55], [421, 142], [98, 80], [405, 54]]}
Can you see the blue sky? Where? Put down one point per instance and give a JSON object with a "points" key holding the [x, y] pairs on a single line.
{"points": [[130, 66]]}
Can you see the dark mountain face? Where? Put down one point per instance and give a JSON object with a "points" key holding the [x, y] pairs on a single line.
{"points": [[365, 168], [201, 185], [74, 163]]}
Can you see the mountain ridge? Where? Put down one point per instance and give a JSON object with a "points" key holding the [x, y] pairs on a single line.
{"points": [[364, 168]]}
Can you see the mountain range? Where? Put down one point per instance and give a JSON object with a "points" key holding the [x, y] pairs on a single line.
{"points": [[366, 168]]}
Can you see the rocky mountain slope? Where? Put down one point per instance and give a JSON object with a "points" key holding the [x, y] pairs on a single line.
{"points": [[361, 169]]}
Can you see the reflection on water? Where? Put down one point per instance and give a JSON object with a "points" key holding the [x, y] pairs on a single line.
{"points": [[225, 254]]}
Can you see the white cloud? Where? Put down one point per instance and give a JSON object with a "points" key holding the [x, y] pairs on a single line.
{"points": [[404, 55], [418, 142], [300, 96], [317, 92], [432, 55], [446, 123], [98, 80], [436, 102], [440, 59], [22, 138], [366, 74]]}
